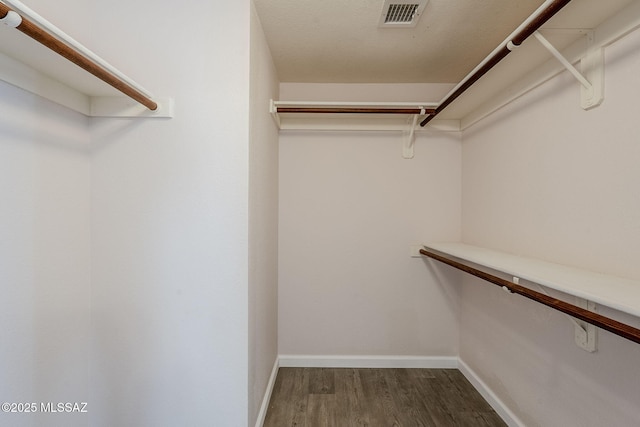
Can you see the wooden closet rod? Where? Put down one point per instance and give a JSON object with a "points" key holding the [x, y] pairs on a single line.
{"points": [[499, 55], [606, 323], [353, 110], [42, 36]]}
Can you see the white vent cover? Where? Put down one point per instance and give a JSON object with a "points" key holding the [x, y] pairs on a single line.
{"points": [[401, 13]]}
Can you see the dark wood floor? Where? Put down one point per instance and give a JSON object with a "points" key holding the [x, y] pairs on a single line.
{"points": [[317, 397]]}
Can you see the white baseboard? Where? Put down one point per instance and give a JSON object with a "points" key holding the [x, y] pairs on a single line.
{"points": [[498, 405], [334, 361], [267, 394]]}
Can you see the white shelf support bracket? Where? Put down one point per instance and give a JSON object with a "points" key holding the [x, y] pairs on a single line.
{"points": [[585, 334], [592, 66], [592, 90], [274, 113], [409, 136]]}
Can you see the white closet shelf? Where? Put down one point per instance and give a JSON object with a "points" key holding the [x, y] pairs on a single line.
{"points": [[611, 291], [37, 57]]}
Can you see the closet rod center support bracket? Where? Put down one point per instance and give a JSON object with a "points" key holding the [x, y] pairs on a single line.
{"points": [[409, 136], [12, 19]]}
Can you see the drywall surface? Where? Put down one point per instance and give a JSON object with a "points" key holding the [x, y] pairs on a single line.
{"points": [[364, 92], [44, 258], [350, 208], [545, 179], [170, 220], [263, 221]]}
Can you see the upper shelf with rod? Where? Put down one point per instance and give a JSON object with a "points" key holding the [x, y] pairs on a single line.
{"points": [[562, 36], [75, 77]]}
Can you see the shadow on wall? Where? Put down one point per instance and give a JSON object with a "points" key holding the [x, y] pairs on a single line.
{"points": [[55, 126]]}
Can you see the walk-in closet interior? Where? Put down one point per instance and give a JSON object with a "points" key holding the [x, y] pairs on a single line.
{"points": [[196, 195]]}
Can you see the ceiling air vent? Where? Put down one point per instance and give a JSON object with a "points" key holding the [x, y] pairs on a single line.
{"points": [[401, 13]]}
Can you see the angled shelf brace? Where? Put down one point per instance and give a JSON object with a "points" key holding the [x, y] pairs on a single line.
{"points": [[585, 334], [592, 90], [39, 29]]}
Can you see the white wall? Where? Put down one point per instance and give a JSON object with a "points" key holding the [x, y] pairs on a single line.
{"points": [[544, 178], [125, 262], [170, 220], [44, 256], [169, 224], [263, 221], [350, 207]]}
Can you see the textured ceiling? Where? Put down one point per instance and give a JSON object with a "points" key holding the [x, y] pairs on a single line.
{"points": [[339, 41]]}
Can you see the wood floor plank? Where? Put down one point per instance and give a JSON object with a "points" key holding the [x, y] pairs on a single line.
{"points": [[277, 405], [322, 381], [321, 411], [469, 397], [491, 419], [434, 397], [378, 398], [469, 419], [307, 397], [405, 393], [351, 403], [454, 401], [419, 373], [288, 404]]}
